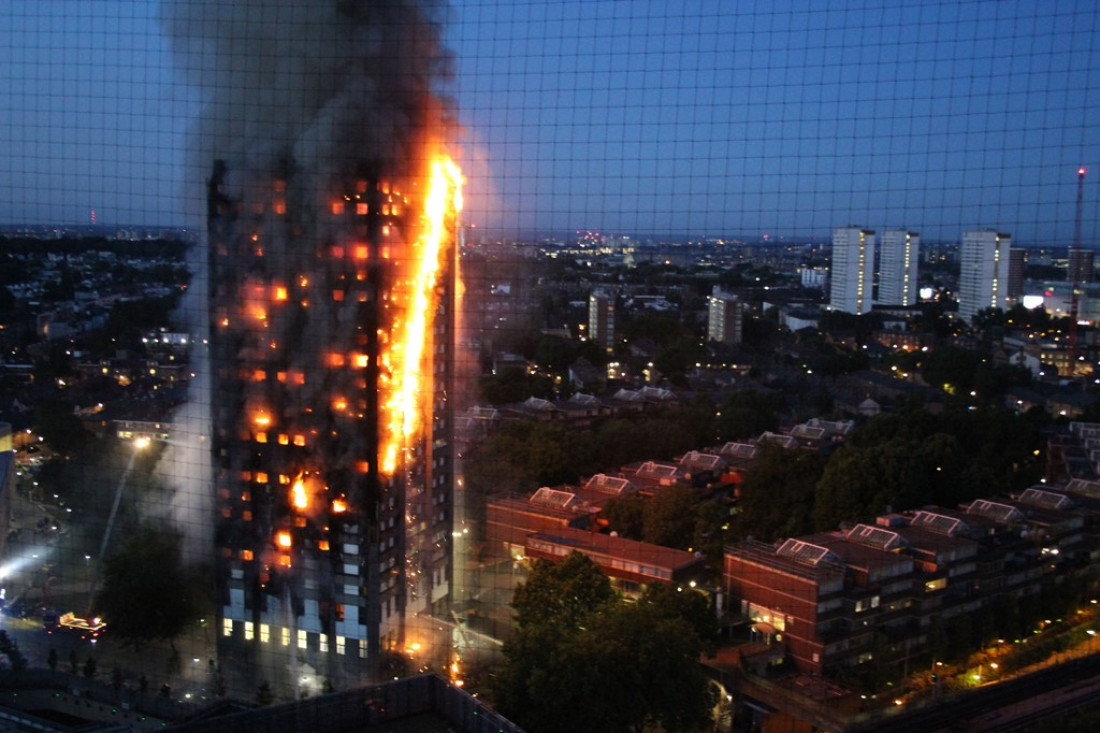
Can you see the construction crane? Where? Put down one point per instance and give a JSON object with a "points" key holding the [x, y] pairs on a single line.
{"points": [[1075, 274]]}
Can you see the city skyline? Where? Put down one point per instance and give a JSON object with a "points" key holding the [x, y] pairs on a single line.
{"points": [[683, 119]]}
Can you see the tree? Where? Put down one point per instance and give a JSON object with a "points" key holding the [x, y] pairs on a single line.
{"points": [[687, 604], [605, 665], [669, 517], [747, 413], [626, 515], [561, 593], [777, 493], [514, 385], [147, 592], [59, 426], [9, 649]]}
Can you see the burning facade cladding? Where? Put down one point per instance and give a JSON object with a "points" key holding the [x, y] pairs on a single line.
{"points": [[333, 318]]}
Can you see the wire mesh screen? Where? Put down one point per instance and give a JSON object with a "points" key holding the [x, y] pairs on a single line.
{"points": [[324, 322]]}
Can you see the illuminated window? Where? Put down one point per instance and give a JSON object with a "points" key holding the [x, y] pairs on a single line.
{"points": [[300, 440], [249, 631], [323, 545], [261, 477], [340, 644], [338, 295], [265, 633], [261, 437], [361, 209], [246, 515], [284, 439], [227, 627], [259, 375], [322, 640], [301, 638], [284, 636], [337, 208], [246, 554]]}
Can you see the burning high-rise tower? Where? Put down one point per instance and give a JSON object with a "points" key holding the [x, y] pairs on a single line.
{"points": [[331, 267]]}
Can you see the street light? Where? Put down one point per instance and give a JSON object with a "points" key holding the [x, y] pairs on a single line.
{"points": [[139, 444]]}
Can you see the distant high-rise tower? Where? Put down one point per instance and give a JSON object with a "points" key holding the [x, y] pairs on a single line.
{"points": [[1080, 266], [724, 319], [899, 253], [852, 273], [983, 271], [601, 319], [1017, 263]]}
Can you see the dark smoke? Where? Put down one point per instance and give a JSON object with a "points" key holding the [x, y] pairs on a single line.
{"points": [[310, 89]]}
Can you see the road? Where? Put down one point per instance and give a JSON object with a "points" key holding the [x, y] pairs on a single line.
{"points": [[1007, 705]]}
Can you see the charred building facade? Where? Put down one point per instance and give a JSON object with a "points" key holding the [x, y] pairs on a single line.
{"points": [[331, 368], [328, 277]]}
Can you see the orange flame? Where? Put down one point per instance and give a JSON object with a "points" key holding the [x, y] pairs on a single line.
{"points": [[282, 539], [412, 336], [298, 495]]}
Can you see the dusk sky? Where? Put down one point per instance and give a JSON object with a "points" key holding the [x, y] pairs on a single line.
{"points": [[654, 118]]}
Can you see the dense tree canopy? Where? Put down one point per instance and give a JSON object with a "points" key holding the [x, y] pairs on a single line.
{"points": [[514, 385], [777, 493], [522, 456], [60, 427], [583, 660], [147, 593], [561, 593], [898, 461], [746, 414]]}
